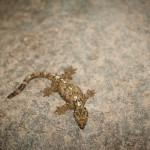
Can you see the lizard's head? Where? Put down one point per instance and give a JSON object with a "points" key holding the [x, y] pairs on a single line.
{"points": [[81, 116]]}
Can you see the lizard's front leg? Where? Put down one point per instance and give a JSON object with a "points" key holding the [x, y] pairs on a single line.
{"points": [[88, 94], [62, 109]]}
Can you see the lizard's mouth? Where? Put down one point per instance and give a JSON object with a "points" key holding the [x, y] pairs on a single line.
{"points": [[82, 123]]}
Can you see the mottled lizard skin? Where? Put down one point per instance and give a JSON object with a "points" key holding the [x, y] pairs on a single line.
{"points": [[71, 93]]}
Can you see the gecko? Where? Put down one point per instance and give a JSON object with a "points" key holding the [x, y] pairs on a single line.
{"points": [[69, 91]]}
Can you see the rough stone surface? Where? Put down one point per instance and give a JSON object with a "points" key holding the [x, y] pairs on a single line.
{"points": [[109, 44]]}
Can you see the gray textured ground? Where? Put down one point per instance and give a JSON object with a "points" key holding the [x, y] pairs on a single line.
{"points": [[109, 44]]}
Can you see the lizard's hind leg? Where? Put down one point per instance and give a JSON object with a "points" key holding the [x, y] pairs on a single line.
{"points": [[69, 72], [47, 91], [50, 89]]}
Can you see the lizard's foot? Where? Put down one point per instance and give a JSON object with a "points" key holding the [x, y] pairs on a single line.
{"points": [[62, 109], [47, 91], [69, 71], [89, 93]]}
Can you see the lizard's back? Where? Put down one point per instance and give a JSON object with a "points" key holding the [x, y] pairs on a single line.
{"points": [[69, 91]]}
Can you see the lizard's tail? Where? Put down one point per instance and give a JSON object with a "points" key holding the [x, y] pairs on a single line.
{"points": [[28, 79]]}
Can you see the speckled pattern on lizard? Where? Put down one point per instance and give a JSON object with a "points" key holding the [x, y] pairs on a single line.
{"points": [[71, 93]]}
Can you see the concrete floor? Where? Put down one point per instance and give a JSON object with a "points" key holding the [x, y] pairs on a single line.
{"points": [[109, 44]]}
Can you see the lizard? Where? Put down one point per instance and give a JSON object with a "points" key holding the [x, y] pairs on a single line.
{"points": [[69, 91]]}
